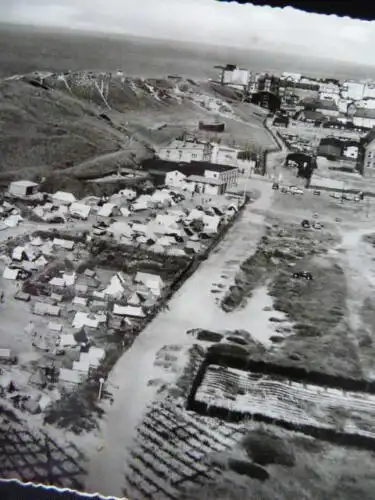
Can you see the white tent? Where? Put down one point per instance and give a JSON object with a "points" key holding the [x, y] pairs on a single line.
{"points": [[119, 229], [68, 244], [37, 242], [13, 220], [10, 274], [80, 209], [134, 300], [115, 288], [135, 312], [63, 198], [67, 340], [82, 319], [19, 253], [152, 281], [125, 212], [106, 210]]}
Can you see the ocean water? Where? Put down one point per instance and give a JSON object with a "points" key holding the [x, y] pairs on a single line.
{"points": [[23, 50]]}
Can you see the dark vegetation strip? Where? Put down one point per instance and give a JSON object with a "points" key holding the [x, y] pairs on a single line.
{"points": [[216, 356], [329, 435]]}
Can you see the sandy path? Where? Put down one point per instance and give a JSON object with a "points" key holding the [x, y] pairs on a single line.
{"points": [[356, 258], [192, 306]]}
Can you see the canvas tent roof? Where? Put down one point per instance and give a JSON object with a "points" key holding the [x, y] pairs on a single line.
{"points": [[82, 319], [135, 312], [70, 376], [134, 300], [67, 340], [18, 253], [106, 210], [115, 287], [13, 220], [152, 281], [68, 244], [10, 274], [37, 242], [64, 197], [43, 308], [80, 209]]}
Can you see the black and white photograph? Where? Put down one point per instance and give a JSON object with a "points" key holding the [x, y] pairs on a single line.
{"points": [[187, 251]]}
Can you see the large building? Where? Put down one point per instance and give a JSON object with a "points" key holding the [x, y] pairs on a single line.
{"points": [[236, 77], [245, 161], [186, 150], [364, 118], [268, 83], [203, 177]]}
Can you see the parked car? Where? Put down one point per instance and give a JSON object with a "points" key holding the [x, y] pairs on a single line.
{"points": [[316, 192], [317, 225], [275, 186], [305, 224], [100, 225], [284, 189], [99, 232], [303, 275]]}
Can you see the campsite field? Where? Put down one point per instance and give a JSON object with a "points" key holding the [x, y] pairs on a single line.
{"points": [[325, 325]]}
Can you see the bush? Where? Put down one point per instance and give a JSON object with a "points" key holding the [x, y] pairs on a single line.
{"points": [[265, 448]]}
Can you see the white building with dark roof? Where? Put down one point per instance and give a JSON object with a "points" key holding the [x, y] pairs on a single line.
{"points": [[23, 188], [186, 151]]}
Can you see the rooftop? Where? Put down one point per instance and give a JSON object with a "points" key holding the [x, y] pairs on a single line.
{"points": [[156, 166], [24, 183], [205, 180], [365, 113]]}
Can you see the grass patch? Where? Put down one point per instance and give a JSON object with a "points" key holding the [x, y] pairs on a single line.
{"points": [[315, 306]]}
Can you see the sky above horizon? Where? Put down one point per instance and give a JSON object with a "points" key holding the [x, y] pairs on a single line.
{"points": [[206, 21]]}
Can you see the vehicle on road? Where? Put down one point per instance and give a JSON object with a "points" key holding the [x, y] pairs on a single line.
{"points": [[316, 192], [99, 231], [275, 186], [303, 275], [305, 224], [296, 190], [284, 189], [317, 225], [100, 225]]}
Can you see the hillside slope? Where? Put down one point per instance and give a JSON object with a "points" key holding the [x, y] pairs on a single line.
{"points": [[84, 123], [45, 129]]}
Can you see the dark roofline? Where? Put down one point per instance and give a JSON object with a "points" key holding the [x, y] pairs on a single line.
{"points": [[215, 167], [155, 166]]}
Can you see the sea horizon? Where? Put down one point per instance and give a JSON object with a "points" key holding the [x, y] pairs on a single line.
{"points": [[29, 48]]}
